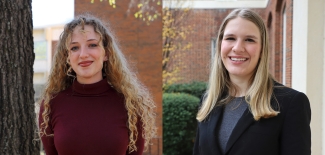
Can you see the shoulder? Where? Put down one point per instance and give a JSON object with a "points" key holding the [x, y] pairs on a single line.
{"points": [[289, 98], [54, 96], [58, 97], [281, 92]]}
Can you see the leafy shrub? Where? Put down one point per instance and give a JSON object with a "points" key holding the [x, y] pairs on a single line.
{"points": [[195, 88], [179, 123]]}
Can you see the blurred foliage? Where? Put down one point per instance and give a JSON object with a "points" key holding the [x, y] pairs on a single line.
{"points": [[195, 88], [179, 123], [175, 31], [111, 2], [146, 9]]}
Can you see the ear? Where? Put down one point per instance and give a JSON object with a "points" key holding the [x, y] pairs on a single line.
{"points": [[105, 58]]}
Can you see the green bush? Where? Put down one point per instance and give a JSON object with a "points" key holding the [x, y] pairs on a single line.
{"points": [[194, 88], [179, 123]]}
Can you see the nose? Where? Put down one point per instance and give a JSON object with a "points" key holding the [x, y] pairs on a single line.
{"points": [[238, 46], [83, 52]]}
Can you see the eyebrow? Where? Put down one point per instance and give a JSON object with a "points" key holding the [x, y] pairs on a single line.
{"points": [[248, 36], [87, 41], [251, 36]]}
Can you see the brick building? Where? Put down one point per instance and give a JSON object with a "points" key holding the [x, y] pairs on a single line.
{"points": [[142, 46], [194, 63]]}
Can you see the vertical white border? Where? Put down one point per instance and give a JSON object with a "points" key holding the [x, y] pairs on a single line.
{"points": [[299, 45], [323, 105], [308, 62]]}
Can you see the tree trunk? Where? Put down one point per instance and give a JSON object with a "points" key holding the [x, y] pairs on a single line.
{"points": [[17, 114]]}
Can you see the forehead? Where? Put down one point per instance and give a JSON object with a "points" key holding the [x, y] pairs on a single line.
{"points": [[87, 32], [241, 26]]}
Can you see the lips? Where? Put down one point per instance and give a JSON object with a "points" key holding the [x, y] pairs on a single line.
{"points": [[85, 63]]}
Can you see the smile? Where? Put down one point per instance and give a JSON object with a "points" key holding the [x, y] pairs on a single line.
{"points": [[238, 59]]}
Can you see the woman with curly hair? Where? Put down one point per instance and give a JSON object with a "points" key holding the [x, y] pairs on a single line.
{"points": [[245, 111], [93, 103]]}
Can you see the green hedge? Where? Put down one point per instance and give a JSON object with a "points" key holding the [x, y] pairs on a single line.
{"points": [[179, 123], [194, 88]]}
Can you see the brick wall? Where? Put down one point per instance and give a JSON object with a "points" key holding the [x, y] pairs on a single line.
{"points": [[194, 63], [274, 10], [142, 46]]}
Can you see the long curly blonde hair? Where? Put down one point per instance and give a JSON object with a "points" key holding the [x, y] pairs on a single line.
{"points": [[138, 101]]}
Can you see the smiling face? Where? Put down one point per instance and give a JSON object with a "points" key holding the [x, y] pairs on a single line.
{"points": [[240, 48], [86, 55]]}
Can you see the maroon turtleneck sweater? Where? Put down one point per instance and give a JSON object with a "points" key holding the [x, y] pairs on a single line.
{"points": [[89, 119]]}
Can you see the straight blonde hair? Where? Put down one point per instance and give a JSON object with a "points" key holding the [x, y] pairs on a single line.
{"points": [[261, 83]]}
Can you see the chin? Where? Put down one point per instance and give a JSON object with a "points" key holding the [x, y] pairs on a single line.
{"points": [[239, 74], [84, 76]]}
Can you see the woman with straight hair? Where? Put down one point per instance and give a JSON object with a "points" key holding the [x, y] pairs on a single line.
{"points": [[244, 110], [93, 103]]}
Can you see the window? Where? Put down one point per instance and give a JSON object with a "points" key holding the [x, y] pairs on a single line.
{"points": [[40, 48]]}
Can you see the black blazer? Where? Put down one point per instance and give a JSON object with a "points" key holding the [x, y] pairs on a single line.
{"points": [[286, 134]]}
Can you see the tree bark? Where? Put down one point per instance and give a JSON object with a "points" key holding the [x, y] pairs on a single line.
{"points": [[17, 113]]}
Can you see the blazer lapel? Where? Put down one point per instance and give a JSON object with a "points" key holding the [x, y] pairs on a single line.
{"points": [[243, 123], [212, 129]]}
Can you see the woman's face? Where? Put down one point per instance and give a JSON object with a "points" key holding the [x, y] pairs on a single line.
{"points": [[240, 48], [86, 55]]}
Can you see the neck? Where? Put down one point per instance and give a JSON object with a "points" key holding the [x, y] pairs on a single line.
{"points": [[92, 80], [241, 84]]}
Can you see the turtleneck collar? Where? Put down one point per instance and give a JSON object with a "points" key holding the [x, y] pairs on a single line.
{"points": [[99, 87]]}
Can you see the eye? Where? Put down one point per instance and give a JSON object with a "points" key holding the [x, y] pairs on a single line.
{"points": [[93, 45], [250, 40], [230, 38], [75, 48]]}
